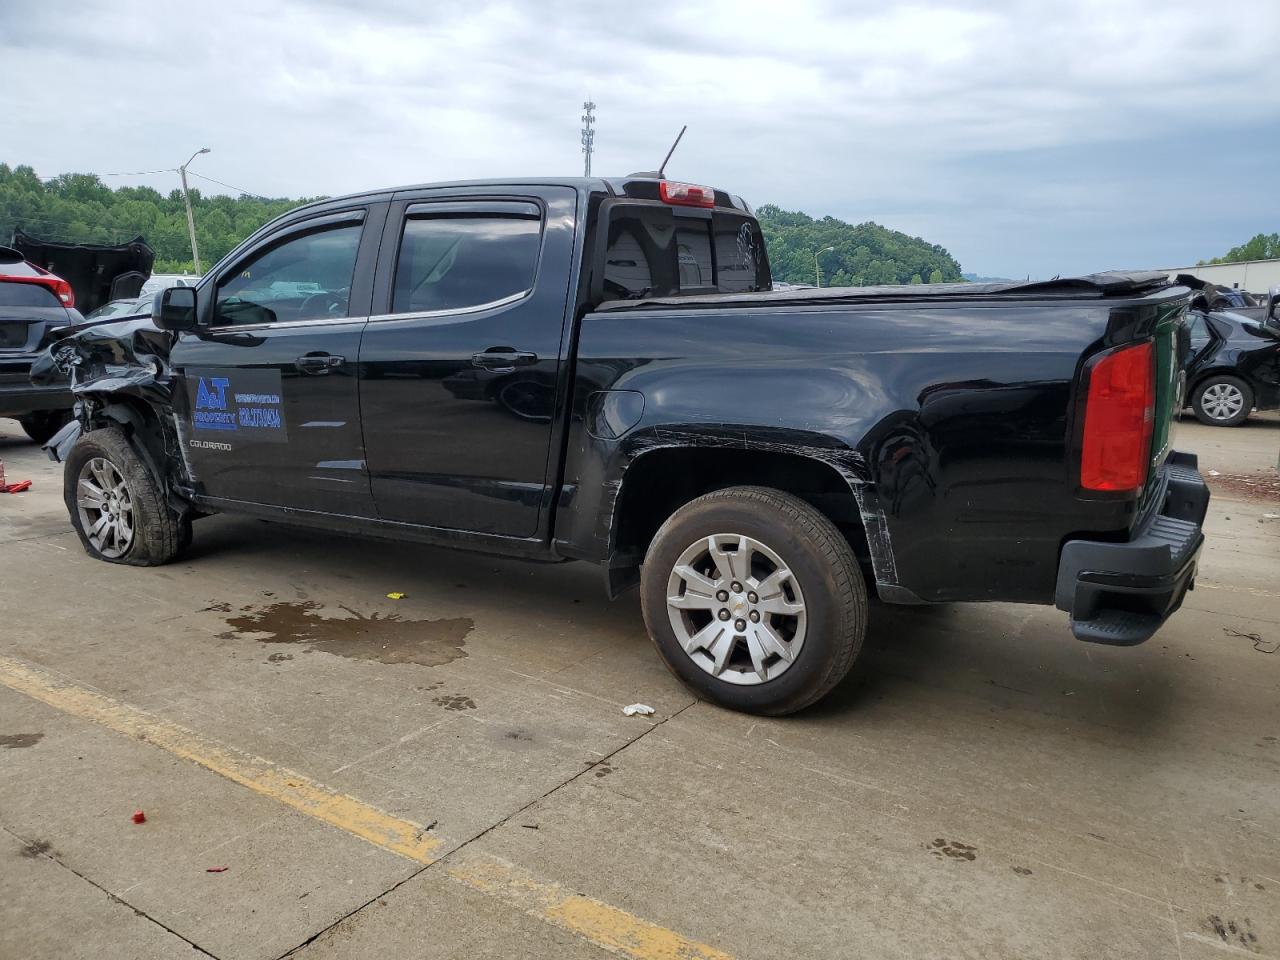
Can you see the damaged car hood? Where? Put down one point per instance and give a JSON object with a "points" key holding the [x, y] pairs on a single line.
{"points": [[129, 357]]}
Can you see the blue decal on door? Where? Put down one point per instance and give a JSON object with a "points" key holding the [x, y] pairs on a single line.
{"points": [[244, 402]]}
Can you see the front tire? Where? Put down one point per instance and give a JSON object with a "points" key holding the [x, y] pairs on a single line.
{"points": [[116, 505], [1222, 401], [754, 600]]}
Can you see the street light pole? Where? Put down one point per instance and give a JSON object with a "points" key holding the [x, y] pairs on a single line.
{"points": [[817, 271], [191, 220]]}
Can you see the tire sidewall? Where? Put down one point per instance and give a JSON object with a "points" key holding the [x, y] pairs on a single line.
{"points": [[1203, 416], [827, 617], [89, 447]]}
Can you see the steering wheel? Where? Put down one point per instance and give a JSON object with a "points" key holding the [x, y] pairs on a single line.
{"points": [[328, 303]]}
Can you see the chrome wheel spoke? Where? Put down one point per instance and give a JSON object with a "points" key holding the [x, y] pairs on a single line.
{"points": [[770, 642], [705, 638], [91, 495], [758, 654], [722, 650]]}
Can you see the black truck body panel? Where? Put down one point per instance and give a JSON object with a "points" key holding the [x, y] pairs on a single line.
{"points": [[942, 422]]}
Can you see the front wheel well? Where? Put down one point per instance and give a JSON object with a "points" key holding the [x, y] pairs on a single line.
{"points": [[660, 482]]}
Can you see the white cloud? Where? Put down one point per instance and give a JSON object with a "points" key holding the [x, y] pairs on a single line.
{"points": [[962, 121]]}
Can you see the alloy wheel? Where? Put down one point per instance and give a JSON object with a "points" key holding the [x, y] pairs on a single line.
{"points": [[736, 608], [105, 505]]}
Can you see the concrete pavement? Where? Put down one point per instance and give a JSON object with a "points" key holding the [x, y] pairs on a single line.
{"points": [[451, 774]]}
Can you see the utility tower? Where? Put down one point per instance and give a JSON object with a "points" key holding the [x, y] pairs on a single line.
{"points": [[588, 135]]}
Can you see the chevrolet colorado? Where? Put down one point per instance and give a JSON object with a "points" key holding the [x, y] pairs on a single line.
{"points": [[596, 369]]}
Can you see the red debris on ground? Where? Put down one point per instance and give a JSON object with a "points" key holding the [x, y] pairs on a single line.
{"points": [[216, 869], [139, 817]]}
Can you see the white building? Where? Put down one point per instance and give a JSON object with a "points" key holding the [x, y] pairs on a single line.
{"points": [[1255, 276]]}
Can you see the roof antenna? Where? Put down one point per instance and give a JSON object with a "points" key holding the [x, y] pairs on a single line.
{"points": [[672, 150]]}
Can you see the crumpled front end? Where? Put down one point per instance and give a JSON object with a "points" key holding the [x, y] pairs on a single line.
{"points": [[119, 375]]}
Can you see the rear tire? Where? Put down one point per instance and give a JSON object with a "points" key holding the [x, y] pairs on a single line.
{"points": [[790, 645], [41, 426], [117, 505], [1222, 401]]}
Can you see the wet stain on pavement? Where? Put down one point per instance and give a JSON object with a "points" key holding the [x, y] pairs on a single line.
{"points": [[603, 769], [456, 702], [1022, 871], [279, 657], [17, 741], [36, 848], [386, 638], [952, 848]]}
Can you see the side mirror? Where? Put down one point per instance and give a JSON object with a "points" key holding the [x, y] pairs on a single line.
{"points": [[1272, 316], [175, 309]]}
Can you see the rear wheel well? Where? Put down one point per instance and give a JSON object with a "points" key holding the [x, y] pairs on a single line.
{"points": [[659, 483]]}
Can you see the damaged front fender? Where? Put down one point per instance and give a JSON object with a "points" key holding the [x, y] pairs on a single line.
{"points": [[120, 376]]}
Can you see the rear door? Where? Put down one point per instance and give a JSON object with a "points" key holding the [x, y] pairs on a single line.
{"points": [[270, 409], [460, 363]]}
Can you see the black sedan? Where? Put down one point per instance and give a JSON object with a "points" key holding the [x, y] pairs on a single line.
{"points": [[1233, 366]]}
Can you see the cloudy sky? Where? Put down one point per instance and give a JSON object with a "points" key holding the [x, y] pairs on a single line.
{"points": [[1027, 137]]}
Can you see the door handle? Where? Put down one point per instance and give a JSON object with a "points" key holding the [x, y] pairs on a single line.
{"points": [[318, 364], [503, 359]]}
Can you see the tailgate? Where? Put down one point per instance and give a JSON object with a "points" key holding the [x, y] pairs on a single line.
{"points": [[1171, 344]]}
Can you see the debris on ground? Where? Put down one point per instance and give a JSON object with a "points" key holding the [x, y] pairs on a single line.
{"points": [[216, 869], [1262, 646], [17, 487], [395, 596], [643, 709], [138, 817]]}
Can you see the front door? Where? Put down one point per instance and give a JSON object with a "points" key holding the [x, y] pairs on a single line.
{"points": [[459, 363], [268, 401]]}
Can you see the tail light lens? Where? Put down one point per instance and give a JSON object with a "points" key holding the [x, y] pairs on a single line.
{"points": [[686, 194], [62, 290], [1118, 420]]}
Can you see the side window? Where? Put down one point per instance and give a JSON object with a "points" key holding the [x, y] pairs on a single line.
{"points": [[457, 261], [306, 277], [1196, 327]]}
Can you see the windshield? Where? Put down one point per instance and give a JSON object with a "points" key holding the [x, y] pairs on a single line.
{"points": [[121, 308]]}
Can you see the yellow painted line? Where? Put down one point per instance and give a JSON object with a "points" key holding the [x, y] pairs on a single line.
{"points": [[606, 926], [293, 789]]}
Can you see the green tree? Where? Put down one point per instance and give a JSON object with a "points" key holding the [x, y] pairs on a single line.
{"points": [[1263, 246], [864, 254], [80, 208]]}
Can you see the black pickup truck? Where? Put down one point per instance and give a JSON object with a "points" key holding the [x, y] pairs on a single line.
{"points": [[592, 369]]}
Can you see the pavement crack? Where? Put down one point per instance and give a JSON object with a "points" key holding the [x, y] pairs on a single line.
{"points": [[293, 951], [44, 852]]}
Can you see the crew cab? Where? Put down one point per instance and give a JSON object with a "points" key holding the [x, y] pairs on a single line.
{"points": [[598, 370]]}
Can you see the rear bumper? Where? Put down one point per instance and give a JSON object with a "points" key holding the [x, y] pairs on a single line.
{"points": [[19, 396], [1121, 593]]}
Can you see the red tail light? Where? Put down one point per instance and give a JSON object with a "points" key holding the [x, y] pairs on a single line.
{"points": [[62, 290], [59, 287], [1118, 419], [686, 194]]}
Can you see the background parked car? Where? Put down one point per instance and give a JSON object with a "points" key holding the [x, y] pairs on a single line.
{"points": [[33, 303], [1233, 367], [119, 309]]}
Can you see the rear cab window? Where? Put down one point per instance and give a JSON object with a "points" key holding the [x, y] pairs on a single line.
{"points": [[657, 250]]}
